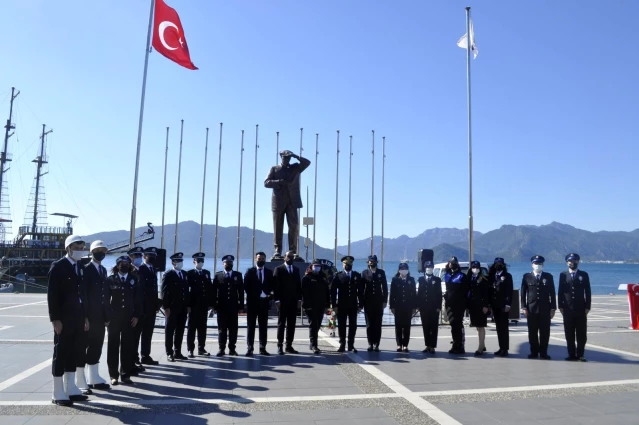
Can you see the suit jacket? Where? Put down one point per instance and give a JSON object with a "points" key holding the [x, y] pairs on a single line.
{"points": [[480, 293], [574, 294], [254, 287], [538, 297], [429, 295], [228, 292], [175, 290], [149, 287], [315, 292], [66, 296], [200, 289], [285, 182], [502, 290], [375, 286], [97, 291], [347, 293], [288, 286], [125, 298], [403, 295]]}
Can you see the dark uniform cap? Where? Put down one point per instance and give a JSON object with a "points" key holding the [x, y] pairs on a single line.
{"points": [[198, 255], [537, 259], [403, 266], [177, 257], [372, 258], [572, 257], [499, 260], [316, 262], [151, 251], [453, 258], [348, 259], [136, 250], [122, 258], [428, 264], [475, 264], [228, 258]]}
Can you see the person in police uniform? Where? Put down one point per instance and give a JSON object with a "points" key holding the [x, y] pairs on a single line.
{"points": [[66, 300], [316, 300], [175, 301], [501, 299], [455, 296], [228, 296], [347, 290], [96, 286], [429, 302], [135, 255], [258, 285], [375, 298], [287, 294], [538, 303], [125, 309], [575, 300], [200, 296], [150, 307], [403, 304], [479, 297]]}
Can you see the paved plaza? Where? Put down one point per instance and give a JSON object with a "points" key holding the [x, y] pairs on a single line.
{"points": [[366, 388]]}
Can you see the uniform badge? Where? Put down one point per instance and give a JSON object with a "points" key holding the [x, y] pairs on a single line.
{"points": [[503, 278], [581, 278], [81, 271], [235, 278], [379, 275], [544, 280], [131, 282]]}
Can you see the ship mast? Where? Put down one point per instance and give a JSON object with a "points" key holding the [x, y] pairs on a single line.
{"points": [[5, 212], [39, 160]]}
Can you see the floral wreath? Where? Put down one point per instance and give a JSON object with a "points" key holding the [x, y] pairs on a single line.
{"points": [[332, 324]]}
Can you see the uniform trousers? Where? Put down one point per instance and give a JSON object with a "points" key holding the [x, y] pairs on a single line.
{"points": [[315, 316], [539, 332], [501, 323], [68, 347], [147, 326], [120, 345], [455, 315], [286, 316], [344, 314], [373, 313], [197, 322], [174, 331], [575, 324], [94, 339], [403, 318], [257, 312], [227, 328], [430, 326]]}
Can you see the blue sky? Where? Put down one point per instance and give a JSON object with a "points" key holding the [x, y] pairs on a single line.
{"points": [[554, 109]]}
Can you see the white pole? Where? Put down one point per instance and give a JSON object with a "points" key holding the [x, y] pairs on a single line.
{"points": [[177, 205], [470, 142], [239, 205], [217, 207], [336, 197], [255, 186], [166, 160], [315, 192], [206, 150]]}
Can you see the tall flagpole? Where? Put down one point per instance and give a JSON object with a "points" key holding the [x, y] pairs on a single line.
{"points": [[177, 205], [206, 150], [239, 205], [470, 142], [299, 210], [350, 169], [217, 207], [315, 192], [383, 167], [277, 148], [255, 187], [373, 197], [141, 120], [336, 196], [166, 160]]}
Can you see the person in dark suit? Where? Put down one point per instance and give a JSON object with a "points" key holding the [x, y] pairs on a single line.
{"points": [[403, 304], [258, 285], [136, 256], [66, 299], [316, 300], [501, 299], [228, 296], [479, 297], [375, 298], [538, 303], [175, 301], [288, 300], [96, 286], [347, 290], [575, 300], [200, 296], [284, 179], [150, 307], [456, 294], [429, 302], [125, 310]]}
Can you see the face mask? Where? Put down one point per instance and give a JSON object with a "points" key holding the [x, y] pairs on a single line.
{"points": [[288, 261], [123, 268], [137, 262], [260, 263], [454, 266], [499, 267], [572, 266], [178, 266], [228, 266], [99, 256], [372, 266], [537, 267], [403, 273], [348, 267], [77, 255], [475, 271], [199, 266], [429, 271], [317, 269]]}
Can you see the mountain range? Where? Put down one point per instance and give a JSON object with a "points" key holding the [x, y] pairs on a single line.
{"points": [[514, 243]]}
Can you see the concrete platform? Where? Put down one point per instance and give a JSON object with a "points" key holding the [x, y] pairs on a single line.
{"points": [[371, 388]]}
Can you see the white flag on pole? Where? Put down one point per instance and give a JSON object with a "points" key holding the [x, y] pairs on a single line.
{"points": [[463, 42]]}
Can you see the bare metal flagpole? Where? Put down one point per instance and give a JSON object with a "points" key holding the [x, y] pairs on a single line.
{"points": [[315, 192], [277, 148], [239, 205], [383, 169], [350, 169], [206, 150], [166, 159], [141, 120], [470, 141], [255, 186], [299, 210], [177, 205], [336, 197], [217, 207], [373, 197]]}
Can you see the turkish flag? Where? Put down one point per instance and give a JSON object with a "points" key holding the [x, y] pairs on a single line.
{"points": [[168, 35]]}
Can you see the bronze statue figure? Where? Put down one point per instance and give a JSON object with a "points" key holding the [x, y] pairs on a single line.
{"points": [[284, 179]]}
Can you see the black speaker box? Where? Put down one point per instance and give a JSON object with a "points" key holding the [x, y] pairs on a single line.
{"points": [[160, 260], [424, 255]]}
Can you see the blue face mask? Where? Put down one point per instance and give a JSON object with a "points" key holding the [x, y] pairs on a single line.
{"points": [[317, 269], [137, 261]]}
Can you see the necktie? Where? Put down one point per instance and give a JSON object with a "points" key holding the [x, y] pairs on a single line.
{"points": [[538, 278], [573, 275], [123, 279], [259, 275], [77, 269], [290, 269], [151, 268]]}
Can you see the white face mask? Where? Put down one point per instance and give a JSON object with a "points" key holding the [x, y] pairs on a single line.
{"points": [[537, 267], [178, 266], [77, 255], [137, 261], [403, 273], [199, 266], [475, 271], [429, 272]]}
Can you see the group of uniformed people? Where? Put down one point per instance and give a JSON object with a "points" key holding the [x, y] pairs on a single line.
{"points": [[84, 300]]}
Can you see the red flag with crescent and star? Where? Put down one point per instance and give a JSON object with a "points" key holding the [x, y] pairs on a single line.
{"points": [[168, 35]]}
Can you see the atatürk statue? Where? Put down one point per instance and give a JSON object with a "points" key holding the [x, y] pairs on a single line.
{"points": [[284, 179]]}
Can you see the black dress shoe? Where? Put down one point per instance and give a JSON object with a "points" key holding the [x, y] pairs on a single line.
{"points": [[582, 359], [191, 355], [78, 397], [139, 368], [399, 349], [341, 348], [504, 353], [203, 353], [170, 358], [370, 348], [134, 372], [572, 358], [405, 350], [316, 350], [232, 352], [376, 348], [532, 356], [249, 352], [65, 403], [220, 353], [291, 350], [148, 360], [86, 392], [100, 386], [497, 353], [545, 357], [479, 353], [263, 352], [126, 380], [280, 350], [353, 349]]}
